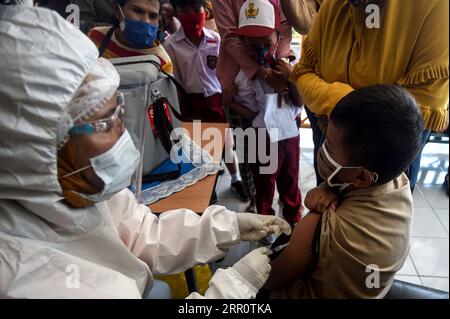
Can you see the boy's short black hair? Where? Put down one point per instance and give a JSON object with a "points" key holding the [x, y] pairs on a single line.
{"points": [[187, 3], [383, 129]]}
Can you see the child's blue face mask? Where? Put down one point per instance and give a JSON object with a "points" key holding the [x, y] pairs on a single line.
{"points": [[262, 55], [140, 34], [265, 56]]}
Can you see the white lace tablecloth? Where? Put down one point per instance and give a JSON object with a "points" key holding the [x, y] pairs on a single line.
{"points": [[204, 166]]}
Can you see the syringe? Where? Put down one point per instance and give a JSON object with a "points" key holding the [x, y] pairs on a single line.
{"points": [[277, 249]]}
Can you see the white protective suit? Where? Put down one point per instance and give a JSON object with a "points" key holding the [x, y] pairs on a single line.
{"points": [[110, 250]]}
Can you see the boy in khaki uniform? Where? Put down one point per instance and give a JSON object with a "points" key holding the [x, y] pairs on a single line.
{"points": [[356, 236]]}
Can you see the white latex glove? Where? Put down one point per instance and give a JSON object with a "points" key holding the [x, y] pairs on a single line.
{"points": [[256, 227], [242, 281], [255, 267]]}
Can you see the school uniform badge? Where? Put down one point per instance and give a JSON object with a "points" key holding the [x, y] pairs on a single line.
{"points": [[211, 61]]}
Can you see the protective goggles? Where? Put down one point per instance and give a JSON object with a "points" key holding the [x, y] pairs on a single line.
{"points": [[103, 125]]}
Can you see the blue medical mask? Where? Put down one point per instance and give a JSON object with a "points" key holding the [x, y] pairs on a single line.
{"points": [[263, 56], [115, 168], [140, 34]]}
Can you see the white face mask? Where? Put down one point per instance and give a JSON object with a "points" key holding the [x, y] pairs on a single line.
{"points": [[115, 168], [328, 168]]}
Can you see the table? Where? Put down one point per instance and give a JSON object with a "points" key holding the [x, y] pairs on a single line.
{"points": [[196, 197]]}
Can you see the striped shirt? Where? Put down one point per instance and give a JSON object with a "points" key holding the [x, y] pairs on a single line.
{"points": [[117, 50]]}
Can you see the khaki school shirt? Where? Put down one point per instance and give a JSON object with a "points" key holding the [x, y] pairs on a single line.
{"points": [[368, 232]]}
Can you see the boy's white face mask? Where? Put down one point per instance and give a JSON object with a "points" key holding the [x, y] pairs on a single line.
{"points": [[328, 168]]}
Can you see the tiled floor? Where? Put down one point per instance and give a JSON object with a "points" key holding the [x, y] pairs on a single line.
{"points": [[428, 261], [430, 235]]}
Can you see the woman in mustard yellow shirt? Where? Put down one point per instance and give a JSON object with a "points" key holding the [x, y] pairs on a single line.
{"points": [[346, 50]]}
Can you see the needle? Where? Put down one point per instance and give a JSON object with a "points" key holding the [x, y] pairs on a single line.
{"points": [[278, 248]]}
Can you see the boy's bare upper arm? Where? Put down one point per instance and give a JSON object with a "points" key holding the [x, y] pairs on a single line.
{"points": [[297, 257]]}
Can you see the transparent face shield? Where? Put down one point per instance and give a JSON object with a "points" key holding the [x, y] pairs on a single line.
{"points": [[144, 87], [136, 94]]}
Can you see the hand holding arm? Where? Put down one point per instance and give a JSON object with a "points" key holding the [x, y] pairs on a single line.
{"points": [[320, 199]]}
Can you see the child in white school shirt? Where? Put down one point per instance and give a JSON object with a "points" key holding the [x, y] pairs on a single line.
{"points": [[194, 51], [259, 25]]}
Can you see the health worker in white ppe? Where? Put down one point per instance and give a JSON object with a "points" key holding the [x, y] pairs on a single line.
{"points": [[66, 160]]}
